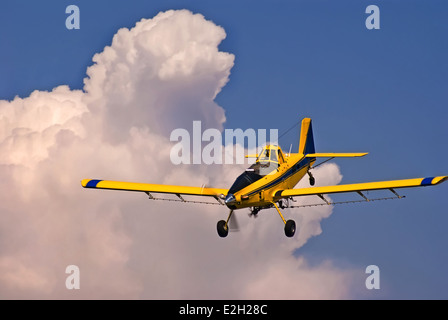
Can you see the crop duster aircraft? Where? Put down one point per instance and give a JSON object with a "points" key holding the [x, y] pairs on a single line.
{"points": [[270, 181]]}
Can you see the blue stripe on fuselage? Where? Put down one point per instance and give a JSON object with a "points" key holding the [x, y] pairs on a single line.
{"points": [[296, 167]]}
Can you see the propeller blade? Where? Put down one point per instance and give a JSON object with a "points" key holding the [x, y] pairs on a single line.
{"points": [[233, 223]]}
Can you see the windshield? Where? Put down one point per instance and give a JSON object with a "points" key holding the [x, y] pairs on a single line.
{"points": [[269, 160], [264, 155]]}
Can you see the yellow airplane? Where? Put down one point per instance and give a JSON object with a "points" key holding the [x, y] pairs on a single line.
{"points": [[269, 182]]}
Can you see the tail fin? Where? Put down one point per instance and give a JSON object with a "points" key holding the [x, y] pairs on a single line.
{"points": [[306, 144]]}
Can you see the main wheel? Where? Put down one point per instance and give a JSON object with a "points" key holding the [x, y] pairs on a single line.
{"points": [[223, 229], [290, 228]]}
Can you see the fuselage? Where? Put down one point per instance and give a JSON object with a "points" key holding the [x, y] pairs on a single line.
{"points": [[273, 171]]}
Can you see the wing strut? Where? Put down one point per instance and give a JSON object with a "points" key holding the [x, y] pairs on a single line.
{"points": [[180, 197], [395, 193], [323, 198], [150, 195], [362, 195]]}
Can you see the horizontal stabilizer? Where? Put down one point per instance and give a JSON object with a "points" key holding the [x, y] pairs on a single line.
{"points": [[335, 155]]}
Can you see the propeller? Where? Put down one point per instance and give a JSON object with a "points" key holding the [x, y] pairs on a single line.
{"points": [[233, 224]]}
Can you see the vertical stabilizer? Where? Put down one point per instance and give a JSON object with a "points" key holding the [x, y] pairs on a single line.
{"points": [[306, 143]]}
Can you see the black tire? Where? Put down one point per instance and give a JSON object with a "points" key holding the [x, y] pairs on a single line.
{"points": [[223, 229], [312, 181], [290, 228]]}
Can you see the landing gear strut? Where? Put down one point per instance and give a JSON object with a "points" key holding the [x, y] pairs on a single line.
{"points": [[223, 226], [290, 225]]}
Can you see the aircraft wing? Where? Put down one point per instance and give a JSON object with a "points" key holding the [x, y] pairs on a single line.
{"points": [[156, 188], [359, 187]]}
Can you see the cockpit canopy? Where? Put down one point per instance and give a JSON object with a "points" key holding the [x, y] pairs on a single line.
{"points": [[271, 153], [268, 161]]}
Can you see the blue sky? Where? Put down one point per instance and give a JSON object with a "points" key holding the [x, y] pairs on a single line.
{"points": [[380, 91]]}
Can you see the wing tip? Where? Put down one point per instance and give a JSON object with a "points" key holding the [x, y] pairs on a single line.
{"points": [[90, 183], [432, 181], [362, 154], [440, 179]]}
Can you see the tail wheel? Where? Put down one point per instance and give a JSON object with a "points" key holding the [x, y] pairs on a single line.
{"points": [[312, 181], [223, 229], [290, 228]]}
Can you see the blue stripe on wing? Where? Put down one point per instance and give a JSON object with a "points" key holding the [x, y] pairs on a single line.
{"points": [[92, 183], [427, 181]]}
